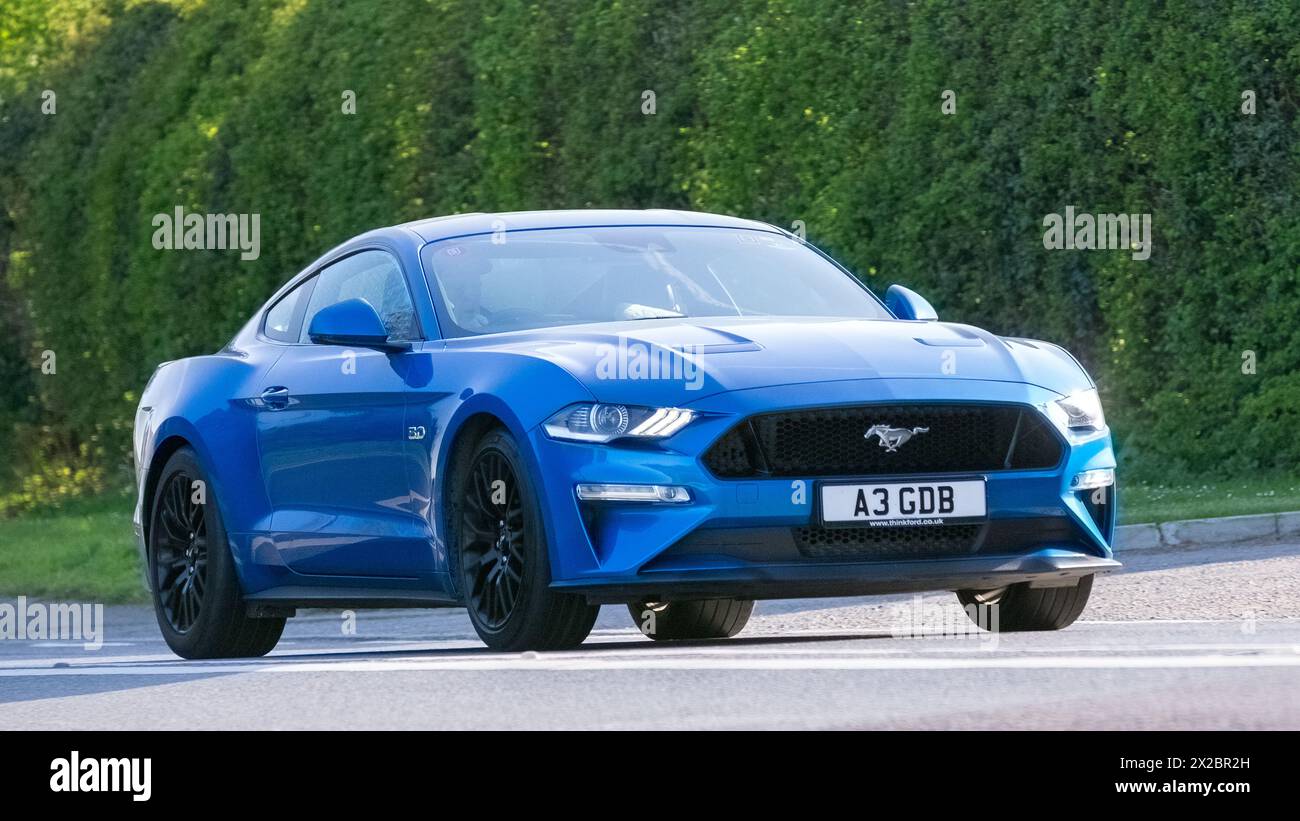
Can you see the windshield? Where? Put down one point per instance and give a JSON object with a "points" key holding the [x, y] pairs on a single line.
{"points": [[566, 276]]}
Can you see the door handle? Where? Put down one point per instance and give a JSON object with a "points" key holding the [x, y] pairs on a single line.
{"points": [[276, 398]]}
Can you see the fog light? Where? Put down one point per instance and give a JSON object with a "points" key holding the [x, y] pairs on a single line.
{"points": [[1091, 479], [633, 493]]}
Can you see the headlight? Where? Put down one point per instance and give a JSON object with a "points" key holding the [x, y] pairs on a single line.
{"points": [[1078, 412], [602, 422]]}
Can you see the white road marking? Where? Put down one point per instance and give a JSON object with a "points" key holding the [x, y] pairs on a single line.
{"points": [[880, 645], [66, 643], [1182, 621], [676, 661]]}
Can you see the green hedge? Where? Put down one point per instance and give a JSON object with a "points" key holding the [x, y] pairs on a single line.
{"points": [[797, 110]]}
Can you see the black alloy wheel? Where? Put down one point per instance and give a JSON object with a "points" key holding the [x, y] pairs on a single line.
{"points": [[197, 596], [495, 538], [180, 564], [498, 533]]}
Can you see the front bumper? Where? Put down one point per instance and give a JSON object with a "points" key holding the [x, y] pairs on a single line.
{"points": [[1042, 568], [741, 537]]}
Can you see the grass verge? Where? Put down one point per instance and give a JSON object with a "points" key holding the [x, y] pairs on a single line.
{"points": [[84, 551], [1140, 503]]}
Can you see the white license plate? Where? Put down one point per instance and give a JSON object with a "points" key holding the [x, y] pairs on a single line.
{"points": [[904, 503]]}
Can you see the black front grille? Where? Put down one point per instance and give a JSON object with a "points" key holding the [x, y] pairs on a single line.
{"points": [[887, 542], [832, 442]]}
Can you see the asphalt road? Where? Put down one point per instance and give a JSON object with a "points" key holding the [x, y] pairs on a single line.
{"points": [[1204, 639]]}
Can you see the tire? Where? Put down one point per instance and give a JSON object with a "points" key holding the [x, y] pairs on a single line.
{"points": [[196, 594], [699, 619], [1021, 608], [505, 569]]}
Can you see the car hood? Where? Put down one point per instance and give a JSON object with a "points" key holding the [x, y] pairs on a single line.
{"points": [[676, 360]]}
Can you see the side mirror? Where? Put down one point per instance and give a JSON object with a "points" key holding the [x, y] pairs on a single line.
{"points": [[351, 322], [908, 304]]}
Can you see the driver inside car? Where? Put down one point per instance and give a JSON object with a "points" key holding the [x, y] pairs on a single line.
{"points": [[462, 282]]}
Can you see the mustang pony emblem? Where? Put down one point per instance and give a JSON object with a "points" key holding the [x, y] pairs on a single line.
{"points": [[892, 438]]}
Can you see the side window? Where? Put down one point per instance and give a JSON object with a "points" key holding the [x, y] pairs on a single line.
{"points": [[370, 275], [282, 319]]}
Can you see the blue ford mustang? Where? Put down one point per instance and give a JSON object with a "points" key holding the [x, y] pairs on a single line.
{"points": [[533, 414]]}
